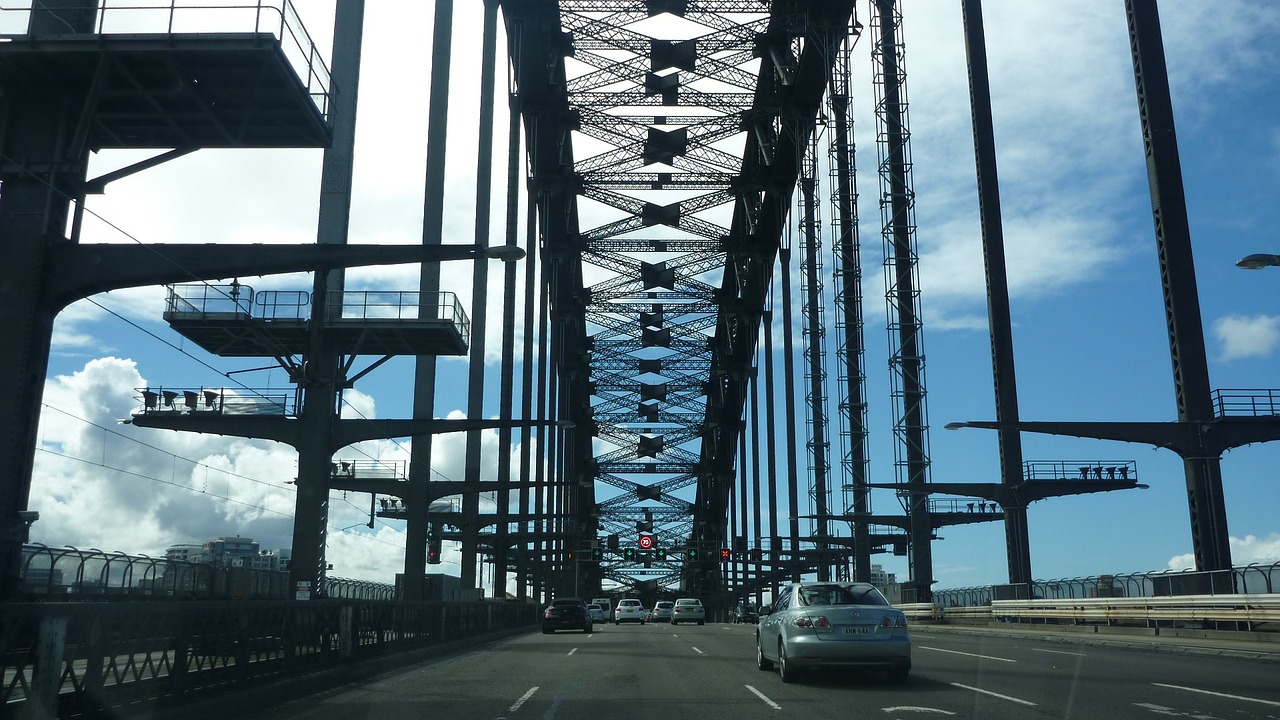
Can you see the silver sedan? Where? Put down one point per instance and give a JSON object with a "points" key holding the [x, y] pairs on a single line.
{"points": [[829, 624]]}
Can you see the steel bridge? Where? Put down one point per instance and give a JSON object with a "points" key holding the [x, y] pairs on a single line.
{"points": [[678, 158]]}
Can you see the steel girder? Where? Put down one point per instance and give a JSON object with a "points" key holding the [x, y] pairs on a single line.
{"points": [[654, 338]]}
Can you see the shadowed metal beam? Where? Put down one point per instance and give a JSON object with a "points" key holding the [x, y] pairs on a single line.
{"points": [[78, 271]]}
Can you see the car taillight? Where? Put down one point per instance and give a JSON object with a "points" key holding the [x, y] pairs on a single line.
{"points": [[546, 613], [817, 622], [893, 621]]}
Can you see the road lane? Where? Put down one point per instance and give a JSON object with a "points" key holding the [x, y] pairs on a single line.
{"points": [[657, 672]]}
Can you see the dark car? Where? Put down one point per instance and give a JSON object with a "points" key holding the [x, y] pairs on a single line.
{"points": [[567, 614], [744, 613]]}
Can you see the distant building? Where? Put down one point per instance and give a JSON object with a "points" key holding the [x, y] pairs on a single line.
{"points": [[880, 578], [273, 560], [231, 552], [183, 552]]}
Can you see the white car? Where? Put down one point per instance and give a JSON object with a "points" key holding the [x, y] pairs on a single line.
{"points": [[662, 611], [688, 610], [629, 610], [598, 614]]}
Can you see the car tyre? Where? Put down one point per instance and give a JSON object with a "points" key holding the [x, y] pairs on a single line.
{"points": [[642, 622], [701, 622], [787, 671], [762, 662], [547, 631], [588, 628], [674, 623], [900, 674]]}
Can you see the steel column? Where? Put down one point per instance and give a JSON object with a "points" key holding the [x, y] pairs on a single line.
{"points": [[1209, 536], [1017, 535]]}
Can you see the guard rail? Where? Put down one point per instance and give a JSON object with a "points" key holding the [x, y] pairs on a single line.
{"points": [[1240, 611]]}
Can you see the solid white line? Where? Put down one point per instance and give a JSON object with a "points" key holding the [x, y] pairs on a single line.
{"points": [[916, 708], [573, 651], [1059, 652], [698, 651], [762, 696], [524, 697], [1218, 694], [995, 694], [957, 652]]}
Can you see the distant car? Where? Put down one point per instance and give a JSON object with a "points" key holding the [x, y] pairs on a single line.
{"points": [[598, 614], [662, 611], [744, 613], [629, 610], [835, 625], [566, 614], [688, 610]]}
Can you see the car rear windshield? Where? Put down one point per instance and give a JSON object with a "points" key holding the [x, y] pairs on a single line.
{"points": [[841, 595], [689, 602], [664, 604]]}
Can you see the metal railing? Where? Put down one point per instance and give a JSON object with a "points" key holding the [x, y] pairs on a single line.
{"points": [[1242, 612], [69, 574], [1079, 470], [1254, 579], [1246, 403], [90, 659], [277, 18], [220, 401], [206, 300]]}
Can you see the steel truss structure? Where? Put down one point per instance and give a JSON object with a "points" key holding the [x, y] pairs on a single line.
{"points": [[665, 139]]}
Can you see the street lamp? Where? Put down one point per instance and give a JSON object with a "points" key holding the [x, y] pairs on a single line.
{"points": [[505, 253], [1257, 261]]}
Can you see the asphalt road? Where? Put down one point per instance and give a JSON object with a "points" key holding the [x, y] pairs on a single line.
{"points": [[657, 672]]}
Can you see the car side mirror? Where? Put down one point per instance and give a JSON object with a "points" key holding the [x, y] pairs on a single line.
{"points": [[764, 610]]}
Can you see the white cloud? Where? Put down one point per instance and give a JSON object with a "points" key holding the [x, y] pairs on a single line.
{"points": [[99, 484], [1251, 549], [1246, 337]]}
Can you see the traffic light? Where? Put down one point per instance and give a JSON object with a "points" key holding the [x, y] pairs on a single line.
{"points": [[629, 553], [691, 554], [433, 544], [613, 542], [724, 554], [660, 554], [597, 553], [569, 556], [756, 555]]}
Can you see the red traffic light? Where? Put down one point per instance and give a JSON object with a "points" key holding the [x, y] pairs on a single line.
{"points": [[646, 542], [724, 553]]}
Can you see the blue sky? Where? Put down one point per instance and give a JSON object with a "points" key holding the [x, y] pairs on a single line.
{"points": [[1088, 315]]}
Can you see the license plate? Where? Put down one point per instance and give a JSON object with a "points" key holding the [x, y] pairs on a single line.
{"points": [[857, 630]]}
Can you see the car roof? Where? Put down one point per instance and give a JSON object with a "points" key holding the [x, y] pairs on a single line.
{"points": [[688, 601]]}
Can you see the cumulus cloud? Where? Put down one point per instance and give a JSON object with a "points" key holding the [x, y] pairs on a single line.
{"points": [[100, 484], [1246, 337], [1251, 549]]}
